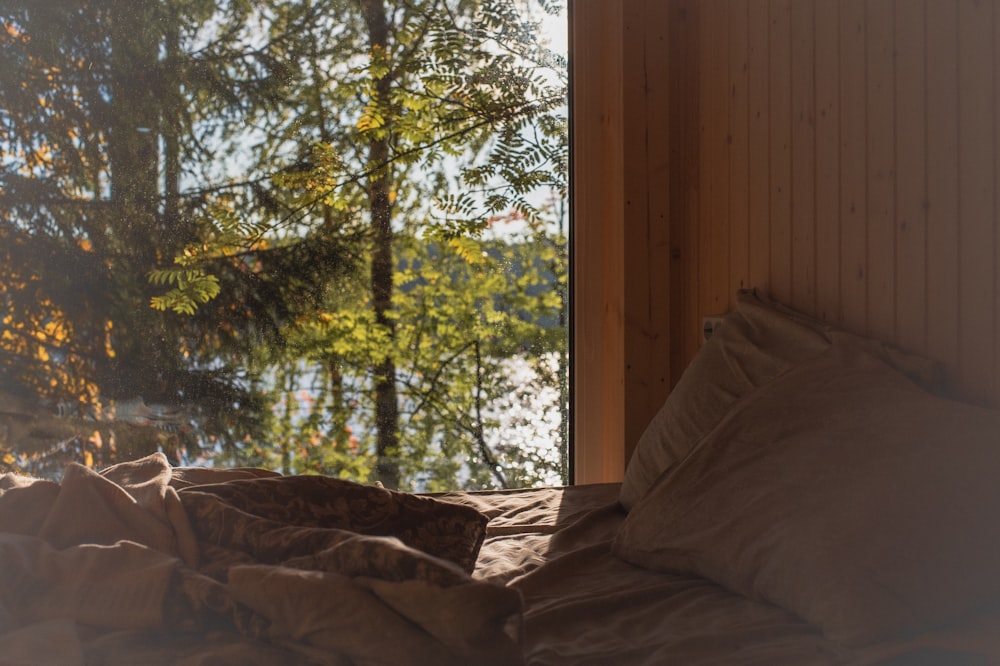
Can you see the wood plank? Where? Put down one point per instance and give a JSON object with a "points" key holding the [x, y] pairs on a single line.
{"points": [[684, 121], [803, 155], [827, 29], [646, 193], [942, 182], [975, 167], [759, 147], [714, 243], [598, 270], [853, 168], [911, 179], [638, 287], [707, 112], [881, 104], [659, 305], [738, 139], [780, 149]]}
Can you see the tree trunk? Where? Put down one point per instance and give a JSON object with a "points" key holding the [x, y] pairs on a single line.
{"points": [[170, 127], [380, 209], [134, 159], [133, 148]]}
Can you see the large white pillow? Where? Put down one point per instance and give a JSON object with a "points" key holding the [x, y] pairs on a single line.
{"points": [[758, 341], [842, 492]]}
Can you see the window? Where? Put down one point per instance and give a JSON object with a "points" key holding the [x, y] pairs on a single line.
{"points": [[312, 235]]}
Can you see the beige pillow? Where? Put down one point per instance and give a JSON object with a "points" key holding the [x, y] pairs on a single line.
{"points": [[754, 345], [842, 492], [757, 341]]}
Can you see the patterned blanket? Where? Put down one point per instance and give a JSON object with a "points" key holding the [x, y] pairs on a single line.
{"points": [[144, 563]]}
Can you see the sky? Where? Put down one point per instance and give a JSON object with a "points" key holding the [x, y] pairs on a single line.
{"points": [[556, 30]]}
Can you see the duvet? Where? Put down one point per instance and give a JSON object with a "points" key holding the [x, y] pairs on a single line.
{"points": [[147, 564]]}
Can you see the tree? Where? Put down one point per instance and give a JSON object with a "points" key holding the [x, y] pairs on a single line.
{"points": [[384, 92], [476, 323], [426, 87], [91, 206]]}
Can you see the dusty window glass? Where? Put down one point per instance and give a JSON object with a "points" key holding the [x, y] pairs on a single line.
{"points": [[317, 236]]}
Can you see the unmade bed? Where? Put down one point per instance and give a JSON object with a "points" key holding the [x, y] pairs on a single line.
{"points": [[805, 496]]}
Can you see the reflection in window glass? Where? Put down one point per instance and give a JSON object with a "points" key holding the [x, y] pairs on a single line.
{"points": [[317, 236]]}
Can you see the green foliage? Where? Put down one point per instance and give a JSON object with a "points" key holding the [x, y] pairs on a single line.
{"points": [[95, 99], [192, 287], [196, 196], [462, 310]]}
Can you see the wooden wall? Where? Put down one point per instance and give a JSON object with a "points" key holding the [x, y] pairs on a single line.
{"points": [[848, 158], [844, 155]]}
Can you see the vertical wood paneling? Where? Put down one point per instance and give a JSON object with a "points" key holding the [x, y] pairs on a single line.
{"points": [[739, 164], [853, 168], [648, 303], [841, 154], [880, 143], [975, 169], [598, 240], [827, 28], [713, 279], [780, 68], [759, 146], [803, 193], [942, 182], [870, 168], [872, 143], [683, 119], [911, 179]]}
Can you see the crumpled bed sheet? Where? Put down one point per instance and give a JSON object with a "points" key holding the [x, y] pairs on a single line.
{"points": [[148, 564], [546, 590]]}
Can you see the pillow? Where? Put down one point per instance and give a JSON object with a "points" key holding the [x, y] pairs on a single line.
{"points": [[756, 342], [842, 492]]}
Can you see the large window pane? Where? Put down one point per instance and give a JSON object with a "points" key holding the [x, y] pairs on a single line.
{"points": [[319, 236]]}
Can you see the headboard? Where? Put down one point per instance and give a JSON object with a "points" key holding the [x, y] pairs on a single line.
{"points": [[843, 155]]}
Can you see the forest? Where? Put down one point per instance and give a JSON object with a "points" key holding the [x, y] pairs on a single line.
{"points": [[317, 236]]}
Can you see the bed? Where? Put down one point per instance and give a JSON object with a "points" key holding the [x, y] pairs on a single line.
{"points": [[804, 496]]}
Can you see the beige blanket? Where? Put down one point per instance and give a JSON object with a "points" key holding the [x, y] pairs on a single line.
{"points": [[147, 564]]}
